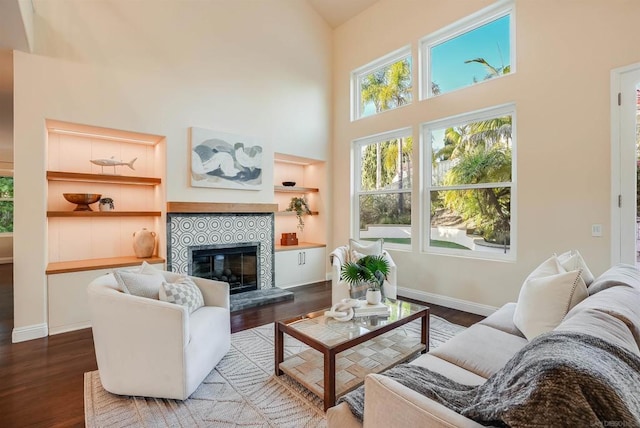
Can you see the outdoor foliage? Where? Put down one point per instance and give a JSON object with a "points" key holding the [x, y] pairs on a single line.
{"points": [[388, 87], [482, 154], [6, 206]]}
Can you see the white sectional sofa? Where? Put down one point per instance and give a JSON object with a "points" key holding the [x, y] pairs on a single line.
{"points": [[611, 312]]}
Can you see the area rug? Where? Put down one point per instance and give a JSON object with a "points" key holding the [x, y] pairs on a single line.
{"points": [[242, 391]]}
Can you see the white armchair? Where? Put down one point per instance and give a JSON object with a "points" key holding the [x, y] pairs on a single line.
{"points": [[151, 348], [341, 289]]}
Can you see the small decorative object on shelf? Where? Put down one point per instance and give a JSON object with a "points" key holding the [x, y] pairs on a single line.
{"points": [[289, 239], [106, 204], [112, 162], [83, 200], [289, 183], [144, 243], [301, 207]]}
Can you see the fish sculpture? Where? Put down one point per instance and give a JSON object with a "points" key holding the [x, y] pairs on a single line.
{"points": [[113, 162]]}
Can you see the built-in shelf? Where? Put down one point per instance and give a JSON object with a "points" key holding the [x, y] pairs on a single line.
{"points": [[295, 189], [294, 213], [101, 178], [299, 246], [104, 213], [94, 264]]}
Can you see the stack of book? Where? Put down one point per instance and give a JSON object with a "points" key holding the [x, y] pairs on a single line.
{"points": [[365, 310]]}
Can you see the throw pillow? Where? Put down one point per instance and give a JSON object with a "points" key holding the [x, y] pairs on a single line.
{"points": [[373, 248], [544, 301], [620, 274], [572, 260], [183, 292], [139, 284]]}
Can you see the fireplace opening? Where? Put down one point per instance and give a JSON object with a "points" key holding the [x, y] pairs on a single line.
{"points": [[236, 264]]}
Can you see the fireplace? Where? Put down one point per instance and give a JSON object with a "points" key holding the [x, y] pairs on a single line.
{"points": [[236, 264]]}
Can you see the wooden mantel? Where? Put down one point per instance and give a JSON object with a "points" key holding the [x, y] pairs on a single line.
{"points": [[212, 207]]}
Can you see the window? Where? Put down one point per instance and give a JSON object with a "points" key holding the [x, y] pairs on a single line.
{"points": [[382, 177], [472, 50], [469, 183], [382, 85], [6, 204]]}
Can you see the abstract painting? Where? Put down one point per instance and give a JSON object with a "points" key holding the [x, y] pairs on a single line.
{"points": [[223, 160]]}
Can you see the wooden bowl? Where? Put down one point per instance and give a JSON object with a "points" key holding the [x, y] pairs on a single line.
{"points": [[83, 200], [289, 183]]}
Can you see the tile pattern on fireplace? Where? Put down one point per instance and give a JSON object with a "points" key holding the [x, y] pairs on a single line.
{"points": [[185, 230]]}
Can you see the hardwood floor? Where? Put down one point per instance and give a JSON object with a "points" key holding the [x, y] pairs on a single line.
{"points": [[41, 381]]}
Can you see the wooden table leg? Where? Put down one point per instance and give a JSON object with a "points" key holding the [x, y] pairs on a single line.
{"points": [[279, 344], [329, 379], [425, 332]]}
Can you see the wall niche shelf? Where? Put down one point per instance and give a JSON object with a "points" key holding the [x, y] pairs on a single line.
{"points": [[94, 264], [101, 178], [292, 213], [295, 189], [104, 213]]}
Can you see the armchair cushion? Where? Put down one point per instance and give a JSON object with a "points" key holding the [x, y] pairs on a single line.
{"points": [[182, 292], [358, 250], [139, 284]]}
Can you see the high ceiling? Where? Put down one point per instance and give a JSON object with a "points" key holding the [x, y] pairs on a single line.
{"points": [[337, 12]]}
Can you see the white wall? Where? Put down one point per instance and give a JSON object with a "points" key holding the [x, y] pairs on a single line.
{"points": [[254, 68], [561, 89]]}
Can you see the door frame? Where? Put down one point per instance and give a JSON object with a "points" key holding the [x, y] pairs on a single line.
{"points": [[623, 169]]}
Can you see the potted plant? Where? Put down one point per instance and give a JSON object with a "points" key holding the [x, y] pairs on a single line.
{"points": [[369, 270], [301, 207]]}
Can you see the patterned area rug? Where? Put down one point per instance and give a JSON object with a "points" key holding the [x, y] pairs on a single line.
{"points": [[242, 391]]}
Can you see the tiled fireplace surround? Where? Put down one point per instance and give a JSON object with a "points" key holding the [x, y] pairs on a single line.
{"points": [[193, 225]]}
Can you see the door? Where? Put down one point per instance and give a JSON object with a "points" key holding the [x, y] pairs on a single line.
{"points": [[624, 165]]}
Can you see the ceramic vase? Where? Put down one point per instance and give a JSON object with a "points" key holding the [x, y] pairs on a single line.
{"points": [[106, 204], [374, 296], [144, 243]]}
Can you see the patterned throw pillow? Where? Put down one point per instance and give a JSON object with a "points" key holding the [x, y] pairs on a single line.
{"points": [[182, 292]]}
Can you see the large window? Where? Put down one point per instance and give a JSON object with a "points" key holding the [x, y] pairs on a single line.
{"points": [[382, 85], [472, 50], [469, 182], [382, 176], [6, 204]]}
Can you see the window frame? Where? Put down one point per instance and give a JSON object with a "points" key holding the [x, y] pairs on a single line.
{"points": [[462, 26], [358, 74], [426, 170], [356, 190], [8, 173]]}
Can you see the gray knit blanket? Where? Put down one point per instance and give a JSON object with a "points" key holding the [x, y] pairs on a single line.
{"points": [[559, 379]]}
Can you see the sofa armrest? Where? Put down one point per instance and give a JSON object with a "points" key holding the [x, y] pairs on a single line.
{"points": [[389, 403], [215, 293]]}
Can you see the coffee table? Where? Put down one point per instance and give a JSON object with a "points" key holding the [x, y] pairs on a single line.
{"points": [[368, 345]]}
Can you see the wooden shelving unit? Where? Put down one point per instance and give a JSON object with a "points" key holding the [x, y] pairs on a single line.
{"points": [[295, 189], [101, 178], [104, 213], [93, 264]]}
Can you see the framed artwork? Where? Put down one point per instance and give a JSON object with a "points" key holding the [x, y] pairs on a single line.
{"points": [[223, 160]]}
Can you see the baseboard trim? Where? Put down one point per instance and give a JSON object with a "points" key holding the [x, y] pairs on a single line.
{"points": [[69, 327], [30, 332], [449, 302], [6, 260]]}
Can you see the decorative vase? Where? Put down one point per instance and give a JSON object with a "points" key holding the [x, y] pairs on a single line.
{"points": [[374, 296], [144, 243], [106, 204]]}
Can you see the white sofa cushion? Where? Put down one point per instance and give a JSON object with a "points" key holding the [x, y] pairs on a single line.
{"points": [[182, 292], [480, 349], [546, 296], [620, 274]]}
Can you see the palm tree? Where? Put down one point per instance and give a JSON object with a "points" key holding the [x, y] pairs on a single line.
{"points": [[388, 87]]}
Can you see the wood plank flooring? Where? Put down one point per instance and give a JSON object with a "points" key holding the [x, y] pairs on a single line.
{"points": [[41, 381]]}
